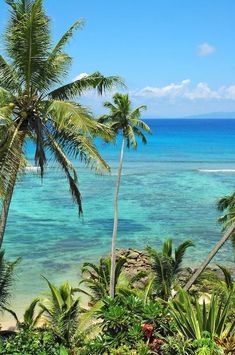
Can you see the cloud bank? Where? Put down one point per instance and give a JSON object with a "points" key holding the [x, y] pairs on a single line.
{"points": [[184, 90], [176, 99]]}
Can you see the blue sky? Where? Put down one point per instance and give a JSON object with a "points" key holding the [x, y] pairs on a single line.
{"points": [[176, 56]]}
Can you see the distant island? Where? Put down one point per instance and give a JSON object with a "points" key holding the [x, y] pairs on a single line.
{"points": [[214, 115]]}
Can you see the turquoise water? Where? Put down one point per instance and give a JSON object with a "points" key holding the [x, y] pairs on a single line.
{"points": [[169, 189]]}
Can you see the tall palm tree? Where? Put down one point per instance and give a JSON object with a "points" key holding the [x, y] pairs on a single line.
{"points": [[34, 105], [123, 120]]}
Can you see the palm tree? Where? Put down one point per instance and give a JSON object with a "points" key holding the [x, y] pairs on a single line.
{"points": [[97, 277], [65, 317], [61, 310], [123, 120], [166, 266], [34, 105]]}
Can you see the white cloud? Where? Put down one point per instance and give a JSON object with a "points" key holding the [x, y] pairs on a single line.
{"points": [[172, 90], [176, 99], [202, 91], [184, 90], [205, 49], [80, 76]]}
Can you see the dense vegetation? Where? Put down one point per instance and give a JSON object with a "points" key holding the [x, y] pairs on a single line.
{"points": [[157, 318]]}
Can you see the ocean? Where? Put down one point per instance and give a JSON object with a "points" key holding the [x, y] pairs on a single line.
{"points": [[169, 189]]}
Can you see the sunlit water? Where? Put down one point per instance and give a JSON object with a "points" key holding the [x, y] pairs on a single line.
{"points": [[169, 188]]}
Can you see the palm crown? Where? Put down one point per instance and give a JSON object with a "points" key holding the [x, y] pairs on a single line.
{"points": [[34, 105], [122, 119]]}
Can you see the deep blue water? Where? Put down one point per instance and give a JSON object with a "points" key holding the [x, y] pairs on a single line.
{"points": [[169, 189]]}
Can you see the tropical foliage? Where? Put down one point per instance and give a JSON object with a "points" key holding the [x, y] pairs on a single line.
{"points": [[6, 279], [167, 265], [62, 310], [41, 342], [97, 277], [133, 322], [31, 317], [194, 320], [129, 321]]}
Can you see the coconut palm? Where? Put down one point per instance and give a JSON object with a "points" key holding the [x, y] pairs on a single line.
{"points": [[34, 106], [166, 266], [123, 120], [97, 277]]}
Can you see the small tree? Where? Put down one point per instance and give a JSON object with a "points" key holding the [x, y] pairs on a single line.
{"points": [[166, 266]]}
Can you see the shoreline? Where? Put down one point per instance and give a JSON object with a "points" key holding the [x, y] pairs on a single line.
{"points": [[137, 260]]}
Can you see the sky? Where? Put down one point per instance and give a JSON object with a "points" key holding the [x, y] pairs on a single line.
{"points": [[176, 56]]}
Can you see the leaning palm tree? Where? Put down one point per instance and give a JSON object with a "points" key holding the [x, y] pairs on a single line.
{"points": [[34, 106], [166, 265], [123, 120], [227, 204]]}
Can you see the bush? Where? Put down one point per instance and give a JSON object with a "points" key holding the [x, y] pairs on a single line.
{"points": [[127, 321], [26, 342]]}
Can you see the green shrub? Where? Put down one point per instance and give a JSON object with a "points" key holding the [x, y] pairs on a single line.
{"points": [[128, 321], [177, 345], [193, 319], [28, 342]]}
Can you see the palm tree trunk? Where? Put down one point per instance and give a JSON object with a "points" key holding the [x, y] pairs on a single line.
{"points": [[115, 223], [210, 257], [5, 207]]}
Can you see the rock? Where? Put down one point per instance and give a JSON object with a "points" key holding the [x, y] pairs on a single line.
{"points": [[133, 255]]}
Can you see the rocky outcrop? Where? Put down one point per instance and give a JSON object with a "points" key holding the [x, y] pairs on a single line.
{"points": [[139, 262]]}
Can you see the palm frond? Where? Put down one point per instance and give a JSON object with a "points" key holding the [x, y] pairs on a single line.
{"points": [[167, 248], [10, 157], [227, 276], [65, 38], [139, 134], [28, 41], [180, 252], [6, 279], [9, 79], [95, 81], [139, 123], [68, 168], [129, 135]]}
